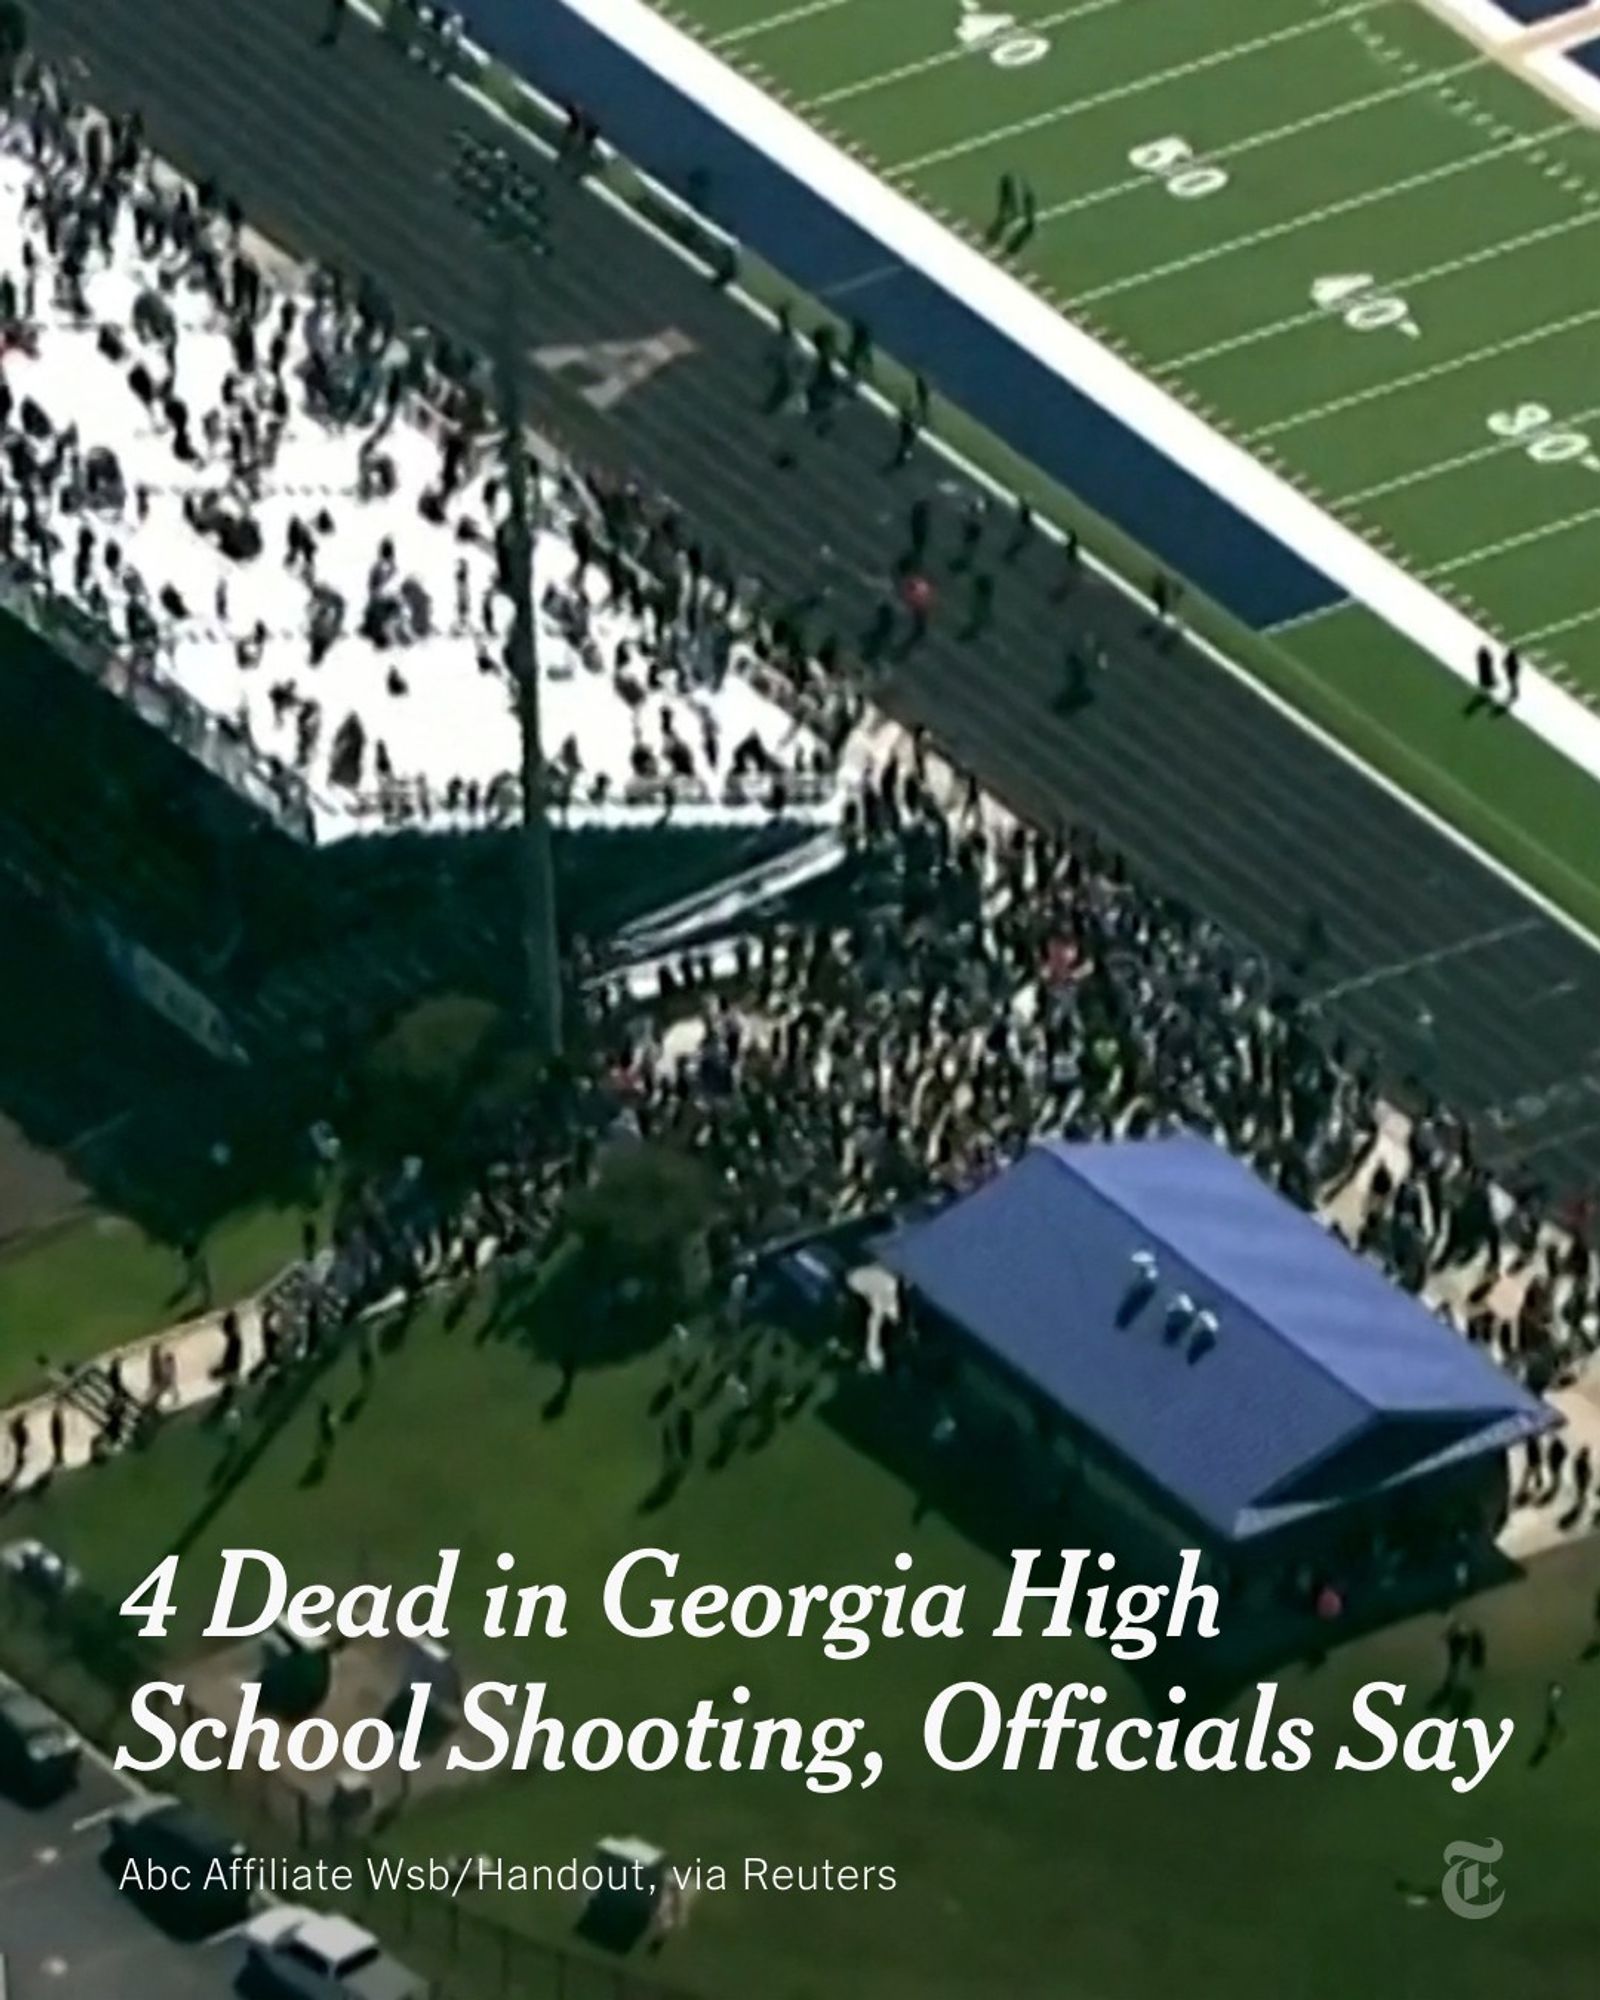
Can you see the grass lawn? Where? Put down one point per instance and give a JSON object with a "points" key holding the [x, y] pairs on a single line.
{"points": [[99, 1282], [1118, 1885]]}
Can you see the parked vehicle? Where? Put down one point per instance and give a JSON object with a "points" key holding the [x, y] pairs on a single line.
{"points": [[189, 1872], [38, 1752], [327, 1958]]}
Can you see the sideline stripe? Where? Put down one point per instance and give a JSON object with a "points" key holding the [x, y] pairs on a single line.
{"points": [[1368, 198], [1115, 95], [1315, 316]]}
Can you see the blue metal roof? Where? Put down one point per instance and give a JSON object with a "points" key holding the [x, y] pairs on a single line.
{"points": [[1313, 1355]]}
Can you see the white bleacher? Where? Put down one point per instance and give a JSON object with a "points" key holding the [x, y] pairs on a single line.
{"points": [[453, 721]]}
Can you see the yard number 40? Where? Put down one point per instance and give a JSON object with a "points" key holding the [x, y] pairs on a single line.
{"points": [[1001, 37], [1364, 305], [152, 1600]]}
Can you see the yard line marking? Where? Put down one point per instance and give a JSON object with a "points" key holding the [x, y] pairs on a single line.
{"points": [[1558, 626], [847, 288], [1309, 220], [748, 30], [1440, 466], [1135, 183], [1425, 960], [1409, 282], [845, 91], [1510, 543], [1118, 92], [1303, 618], [1397, 383]]}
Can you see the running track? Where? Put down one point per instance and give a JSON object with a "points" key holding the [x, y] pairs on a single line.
{"points": [[1432, 960]]}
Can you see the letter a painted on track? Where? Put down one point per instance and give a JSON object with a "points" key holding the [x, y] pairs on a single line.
{"points": [[613, 369]]}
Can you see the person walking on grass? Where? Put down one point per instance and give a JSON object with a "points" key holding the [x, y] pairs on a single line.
{"points": [[1026, 221], [1555, 1727], [1008, 202]]}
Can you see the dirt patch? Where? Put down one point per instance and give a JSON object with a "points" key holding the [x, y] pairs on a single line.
{"points": [[365, 1677]]}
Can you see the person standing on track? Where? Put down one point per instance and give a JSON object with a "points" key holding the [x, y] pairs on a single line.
{"points": [[917, 595]]}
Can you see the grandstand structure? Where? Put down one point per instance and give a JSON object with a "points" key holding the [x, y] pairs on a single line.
{"points": [[223, 698], [644, 369], [277, 819]]}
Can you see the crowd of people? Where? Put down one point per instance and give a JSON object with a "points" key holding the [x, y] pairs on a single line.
{"points": [[998, 984], [1001, 982], [263, 489]]}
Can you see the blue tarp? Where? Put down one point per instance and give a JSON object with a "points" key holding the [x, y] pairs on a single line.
{"points": [[1258, 1371]]}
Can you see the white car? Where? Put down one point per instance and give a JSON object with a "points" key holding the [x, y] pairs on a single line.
{"points": [[312, 1957]]}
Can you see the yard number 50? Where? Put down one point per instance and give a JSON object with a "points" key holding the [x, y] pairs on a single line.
{"points": [[1174, 162]]}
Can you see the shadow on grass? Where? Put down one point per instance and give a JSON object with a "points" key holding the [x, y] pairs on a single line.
{"points": [[557, 1313], [286, 1397]]}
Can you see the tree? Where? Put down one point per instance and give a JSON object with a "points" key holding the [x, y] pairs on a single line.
{"points": [[645, 1217], [414, 1088]]}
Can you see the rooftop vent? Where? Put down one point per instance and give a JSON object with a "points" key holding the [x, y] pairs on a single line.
{"points": [[1204, 1336], [1144, 1274]]}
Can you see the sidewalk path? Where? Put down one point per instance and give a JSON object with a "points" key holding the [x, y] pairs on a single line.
{"points": [[191, 1352]]}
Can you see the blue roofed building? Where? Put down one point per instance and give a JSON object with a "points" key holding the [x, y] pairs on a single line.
{"points": [[1182, 1340]]}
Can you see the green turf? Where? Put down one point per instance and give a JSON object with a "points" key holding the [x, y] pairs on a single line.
{"points": [[1356, 140], [98, 1282], [1131, 1887]]}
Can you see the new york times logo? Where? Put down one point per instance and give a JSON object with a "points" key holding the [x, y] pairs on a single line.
{"points": [[1471, 1888]]}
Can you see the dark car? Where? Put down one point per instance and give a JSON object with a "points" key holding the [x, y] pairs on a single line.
{"points": [[179, 1866], [38, 1752]]}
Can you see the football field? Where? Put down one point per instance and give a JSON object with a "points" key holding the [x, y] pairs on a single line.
{"points": [[1358, 244]]}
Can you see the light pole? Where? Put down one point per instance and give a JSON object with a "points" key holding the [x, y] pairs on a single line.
{"points": [[508, 205]]}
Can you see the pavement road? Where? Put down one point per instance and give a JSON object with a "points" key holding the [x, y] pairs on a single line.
{"points": [[66, 1931], [1437, 963]]}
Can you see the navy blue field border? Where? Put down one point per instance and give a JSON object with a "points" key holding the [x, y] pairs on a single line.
{"points": [[1118, 473]]}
